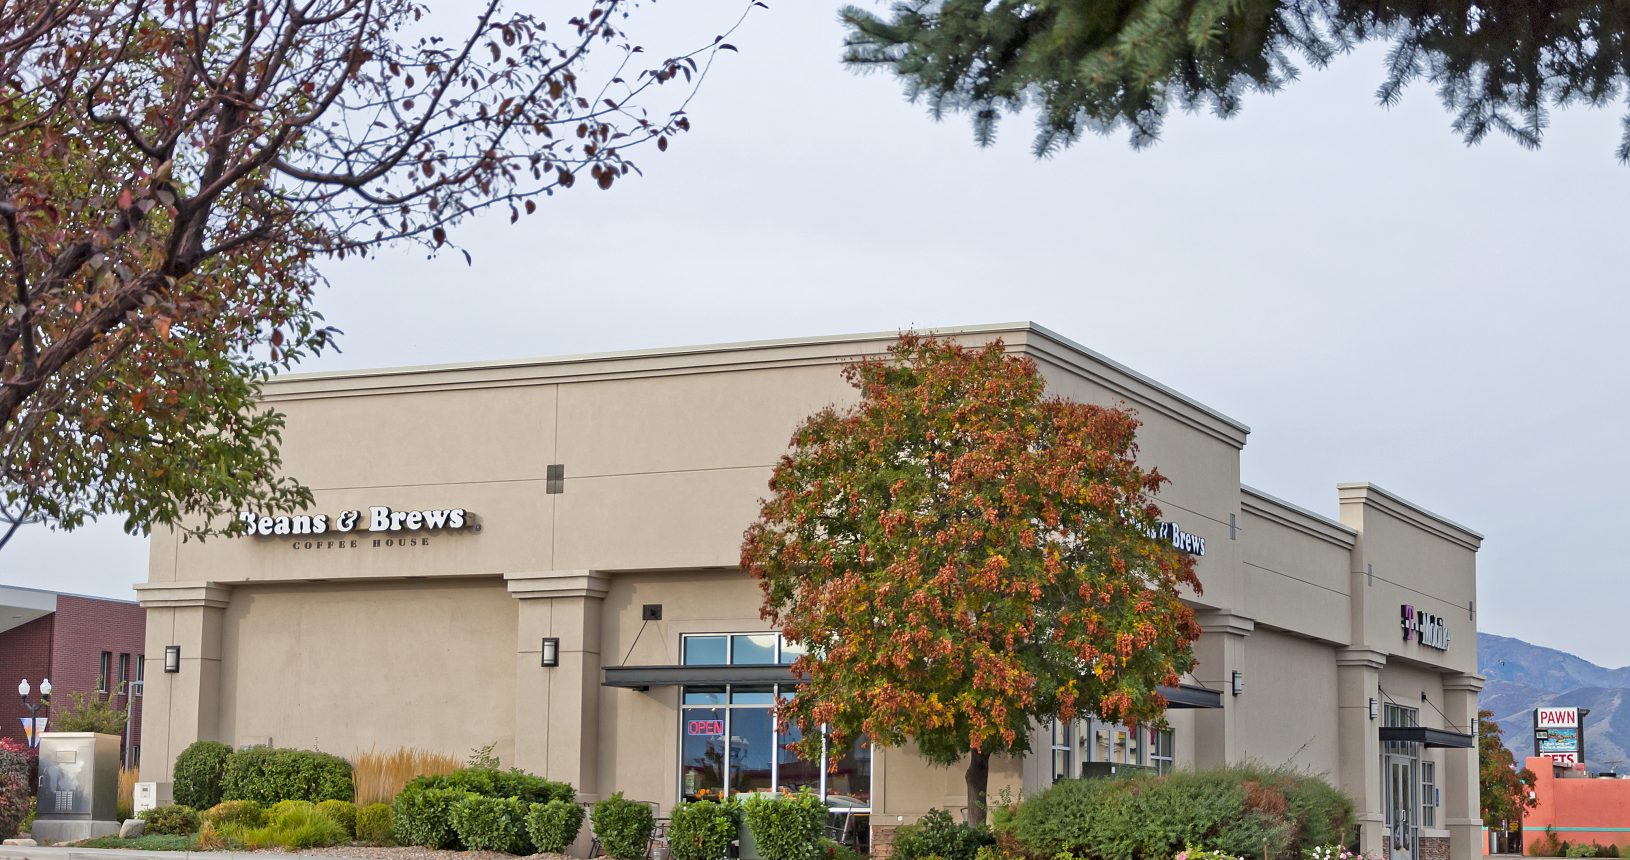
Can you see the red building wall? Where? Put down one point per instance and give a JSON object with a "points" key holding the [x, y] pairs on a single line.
{"points": [[1584, 810], [67, 647], [25, 652]]}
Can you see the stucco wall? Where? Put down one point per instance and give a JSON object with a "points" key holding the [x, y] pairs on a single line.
{"points": [[346, 667]]}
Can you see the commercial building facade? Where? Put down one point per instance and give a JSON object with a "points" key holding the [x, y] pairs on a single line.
{"points": [[544, 554], [89, 645]]}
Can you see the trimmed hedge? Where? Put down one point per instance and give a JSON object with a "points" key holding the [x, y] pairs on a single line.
{"points": [[344, 813], [623, 827], [1241, 811], [174, 820], [554, 826], [199, 770], [703, 829], [423, 816], [491, 782], [374, 823], [267, 776], [492, 824], [938, 835], [786, 827]]}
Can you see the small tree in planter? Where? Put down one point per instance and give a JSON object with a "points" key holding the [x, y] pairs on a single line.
{"points": [[703, 829], [786, 827], [623, 827]]}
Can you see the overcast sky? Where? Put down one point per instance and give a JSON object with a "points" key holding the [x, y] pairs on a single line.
{"points": [[1375, 300]]}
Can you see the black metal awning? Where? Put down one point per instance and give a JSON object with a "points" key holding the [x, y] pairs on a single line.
{"points": [[646, 677], [1189, 696], [1440, 738]]}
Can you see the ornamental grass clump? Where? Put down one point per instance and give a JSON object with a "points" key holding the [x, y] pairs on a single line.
{"points": [[379, 777], [374, 824], [703, 829], [294, 825]]}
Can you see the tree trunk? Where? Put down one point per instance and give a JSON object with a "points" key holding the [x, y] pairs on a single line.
{"points": [[977, 779]]}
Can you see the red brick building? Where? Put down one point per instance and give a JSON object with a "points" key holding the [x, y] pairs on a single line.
{"points": [[83, 644]]}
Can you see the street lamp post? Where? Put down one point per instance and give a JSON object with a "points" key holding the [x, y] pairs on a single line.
{"points": [[33, 734]]}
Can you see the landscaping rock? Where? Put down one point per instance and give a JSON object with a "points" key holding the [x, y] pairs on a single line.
{"points": [[21, 843], [132, 828]]}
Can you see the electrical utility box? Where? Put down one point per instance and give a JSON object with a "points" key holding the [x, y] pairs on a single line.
{"points": [[79, 786]]}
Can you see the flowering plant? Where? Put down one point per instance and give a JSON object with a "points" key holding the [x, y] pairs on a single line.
{"points": [[1338, 852]]}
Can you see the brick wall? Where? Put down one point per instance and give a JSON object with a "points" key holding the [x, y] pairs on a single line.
{"points": [[84, 627], [25, 652]]}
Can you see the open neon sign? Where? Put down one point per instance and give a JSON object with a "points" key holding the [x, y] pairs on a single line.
{"points": [[705, 727]]}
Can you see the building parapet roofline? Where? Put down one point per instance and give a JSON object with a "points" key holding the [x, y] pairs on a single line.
{"points": [[1024, 337], [1254, 501], [1396, 505]]}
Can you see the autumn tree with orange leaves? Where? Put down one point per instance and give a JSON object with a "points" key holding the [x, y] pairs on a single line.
{"points": [[965, 557]]}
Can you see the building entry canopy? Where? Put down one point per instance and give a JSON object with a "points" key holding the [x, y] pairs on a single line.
{"points": [[1439, 738], [646, 677]]}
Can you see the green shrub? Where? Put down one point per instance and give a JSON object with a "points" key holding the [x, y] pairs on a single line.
{"points": [[87, 712], [938, 835], [294, 825], [492, 824], [174, 820], [423, 816], [236, 813], [554, 825], [1582, 849], [267, 775], [198, 773], [374, 823], [623, 827], [344, 813], [1241, 811], [1607, 851], [1546, 845], [788, 827], [16, 801], [703, 829], [490, 782]]}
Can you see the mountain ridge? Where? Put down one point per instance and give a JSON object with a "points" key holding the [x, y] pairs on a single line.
{"points": [[1523, 676]]}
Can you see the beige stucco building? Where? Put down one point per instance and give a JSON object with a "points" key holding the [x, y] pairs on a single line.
{"points": [[587, 512]]}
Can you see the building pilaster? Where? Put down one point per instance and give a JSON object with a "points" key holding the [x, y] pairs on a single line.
{"points": [[1461, 797], [557, 708], [1358, 683], [1218, 735], [179, 708]]}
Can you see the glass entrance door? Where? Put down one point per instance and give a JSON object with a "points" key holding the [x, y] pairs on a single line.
{"points": [[1400, 799]]}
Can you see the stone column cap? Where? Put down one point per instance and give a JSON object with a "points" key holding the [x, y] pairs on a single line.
{"points": [[1224, 621], [176, 595], [1463, 683], [531, 584], [1368, 657]]}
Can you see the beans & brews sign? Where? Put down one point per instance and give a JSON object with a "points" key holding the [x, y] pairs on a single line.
{"points": [[385, 527]]}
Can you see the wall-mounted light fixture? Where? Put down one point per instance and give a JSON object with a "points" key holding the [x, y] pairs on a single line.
{"points": [[1474, 725], [551, 652], [172, 659], [1239, 682], [1375, 709]]}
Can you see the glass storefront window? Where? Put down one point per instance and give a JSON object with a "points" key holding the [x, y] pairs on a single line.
{"points": [[702, 752], [729, 743], [706, 650], [753, 649]]}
